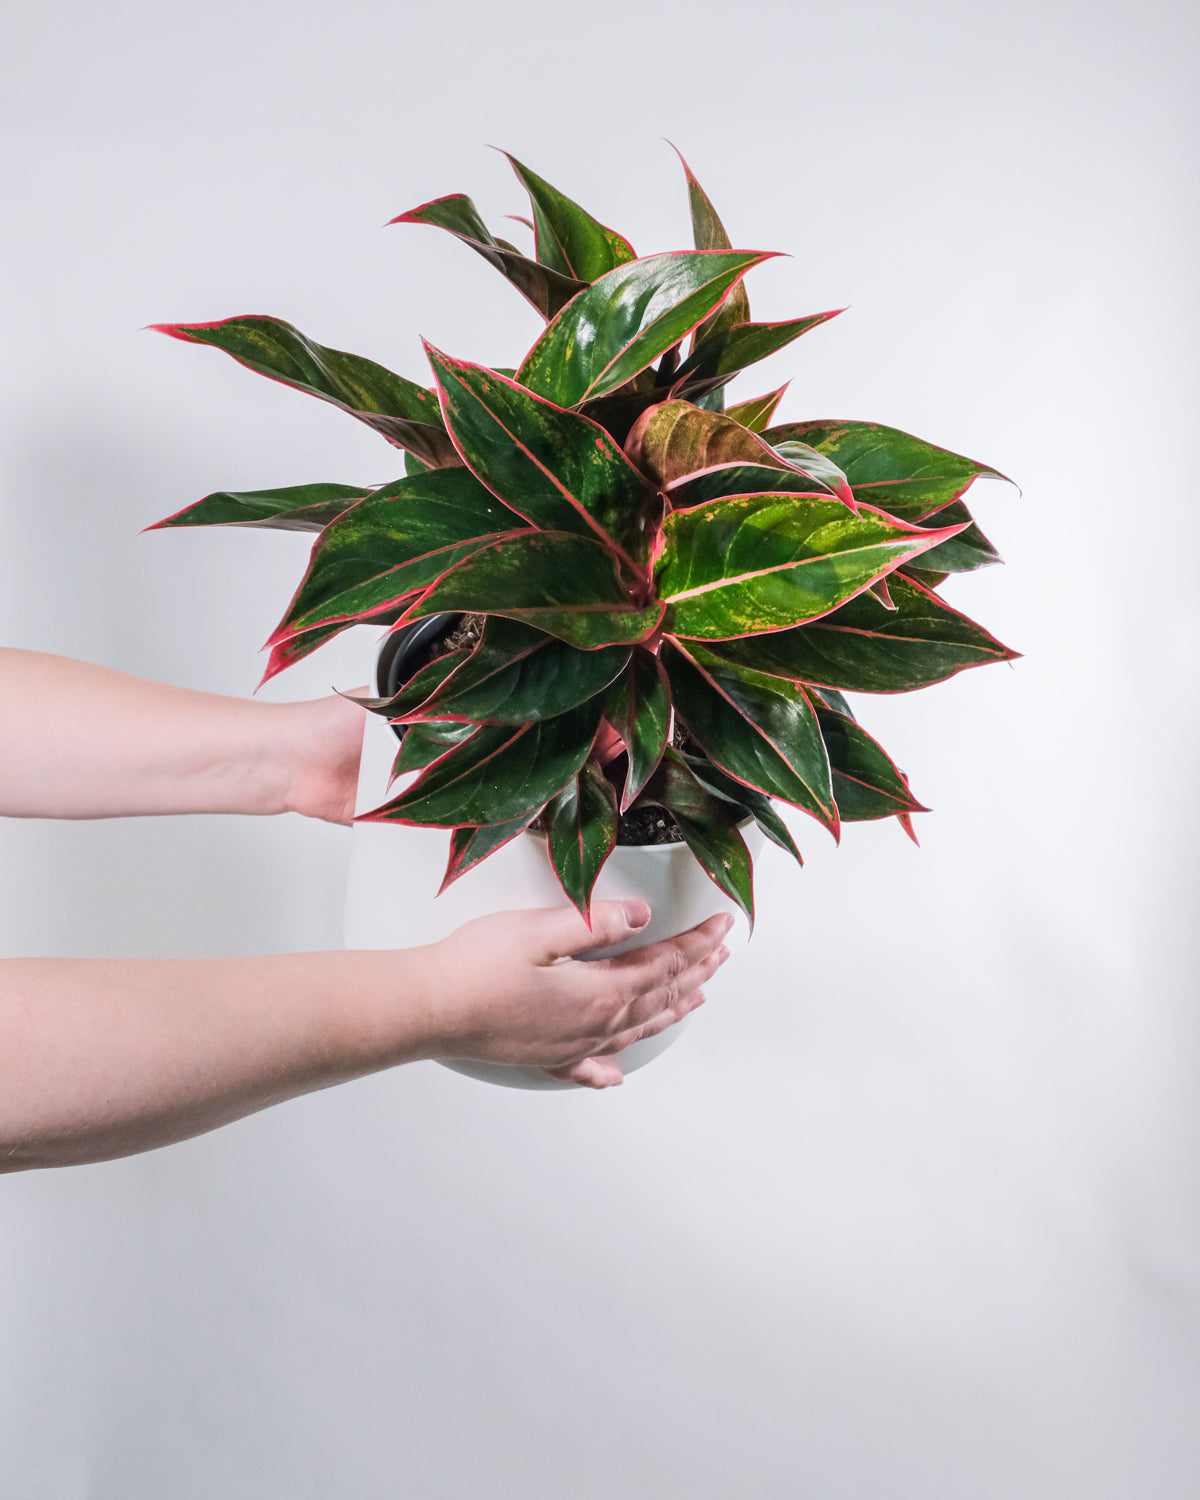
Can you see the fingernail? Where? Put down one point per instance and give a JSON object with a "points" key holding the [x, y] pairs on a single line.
{"points": [[637, 914], [729, 921], [722, 953]]}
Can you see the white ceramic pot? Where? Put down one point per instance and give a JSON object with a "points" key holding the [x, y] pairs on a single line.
{"points": [[395, 871]]}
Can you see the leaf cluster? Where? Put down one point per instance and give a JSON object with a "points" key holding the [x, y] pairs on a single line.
{"points": [[675, 593]]}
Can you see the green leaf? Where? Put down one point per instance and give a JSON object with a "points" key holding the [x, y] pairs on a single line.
{"points": [[676, 439], [394, 543], [741, 479], [764, 562], [866, 784], [889, 469], [581, 829], [471, 846], [565, 585], [424, 743], [502, 772], [927, 577], [419, 687], [515, 675], [963, 553], [818, 468], [747, 800], [404, 413], [629, 317], [720, 356], [568, 239], [831, 698], [758, 729], [709, 233], [559, 470], [757, 414], [300, 507], [864, 648], [287, 653], [541, 285], [708, 825], [638, 706]]}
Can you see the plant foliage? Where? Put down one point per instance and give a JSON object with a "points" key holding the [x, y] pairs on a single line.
{"points": [[675, 592]]}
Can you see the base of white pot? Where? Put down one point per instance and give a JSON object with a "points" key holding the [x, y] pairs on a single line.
{"points": [[395, 871]]}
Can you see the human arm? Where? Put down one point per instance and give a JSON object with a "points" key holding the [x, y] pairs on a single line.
{"points": [[101, 1058], [85, 741]]}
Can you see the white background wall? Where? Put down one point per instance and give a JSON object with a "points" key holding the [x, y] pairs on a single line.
{"points": [[912, 1209]]}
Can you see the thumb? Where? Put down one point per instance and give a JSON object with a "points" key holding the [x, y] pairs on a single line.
{"points": [[563, 932]]}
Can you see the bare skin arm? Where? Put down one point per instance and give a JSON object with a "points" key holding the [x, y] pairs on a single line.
{"points": [[146, 747], [103, 1058]]}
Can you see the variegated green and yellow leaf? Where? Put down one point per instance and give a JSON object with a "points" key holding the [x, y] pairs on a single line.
{"points": [[544, 286], [568, 239], [624, 321], [754, 563], [557, 468], [404, 413]]}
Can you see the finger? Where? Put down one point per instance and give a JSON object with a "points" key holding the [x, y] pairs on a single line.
{"points": [[559, 932], [591, 1072], [659, 965], [660, 1023], [645, 1008]]}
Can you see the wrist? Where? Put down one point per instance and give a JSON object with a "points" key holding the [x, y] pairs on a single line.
{"points": [[384, 1007]]}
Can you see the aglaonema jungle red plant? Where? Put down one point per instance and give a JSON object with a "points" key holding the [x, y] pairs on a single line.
{"points": [[674, 593]]}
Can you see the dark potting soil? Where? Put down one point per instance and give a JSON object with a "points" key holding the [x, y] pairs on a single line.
{"points": [[640, 825]]}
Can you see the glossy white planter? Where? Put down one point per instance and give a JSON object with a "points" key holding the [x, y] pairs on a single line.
{"points": [[395, 871]]}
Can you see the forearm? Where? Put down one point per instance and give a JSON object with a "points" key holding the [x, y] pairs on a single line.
{"points": [[83, 741], [103, 1058]]}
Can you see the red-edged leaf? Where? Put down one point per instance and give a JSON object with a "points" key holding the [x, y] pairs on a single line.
{"points": [[557, 468], [866, 783], [709, 827], [471, 846], [747, 800], [741, 479], [638, 706], [757, 414], [758, 729], [502, 772], [417, 691], [864, 648], [404, 413], [563, 584], [568, 239], [708, 233], [624, 321], [755, 563], [424, 743], [299, 507], [963, 553], [545, 288], [818, 467], [515, 675], [905, 821], [887, 468], [394, 543], [675, 440], [288, 653], [581, 830], [722, 354]]}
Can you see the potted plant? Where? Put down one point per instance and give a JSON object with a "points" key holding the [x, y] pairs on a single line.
{"points": [[620, 614]]}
